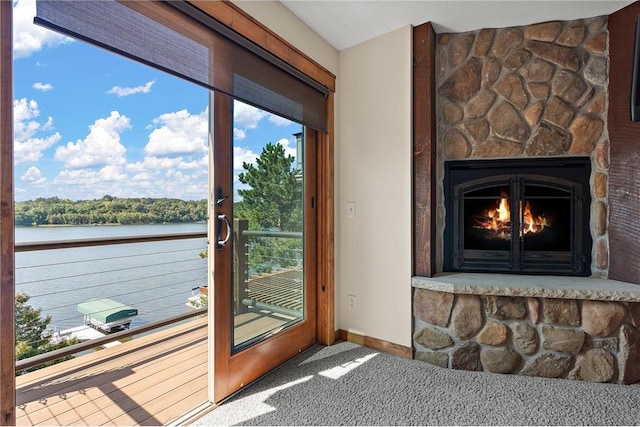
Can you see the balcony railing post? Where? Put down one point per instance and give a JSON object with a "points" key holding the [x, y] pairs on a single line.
{"points": [[241, 261]]}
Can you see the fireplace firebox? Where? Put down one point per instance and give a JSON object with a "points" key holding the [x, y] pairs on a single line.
{"points": [[527, 216]]}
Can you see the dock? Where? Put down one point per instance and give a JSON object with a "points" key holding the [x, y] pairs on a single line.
{"points": [[82, 333]]}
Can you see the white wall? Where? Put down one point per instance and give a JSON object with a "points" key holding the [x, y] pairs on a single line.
{"points": [[374, 170]]}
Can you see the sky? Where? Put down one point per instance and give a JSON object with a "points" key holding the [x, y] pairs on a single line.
{"points": [[88, 123]]}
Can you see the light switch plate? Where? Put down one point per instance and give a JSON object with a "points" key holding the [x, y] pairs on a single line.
{"points": [[351, 209]]}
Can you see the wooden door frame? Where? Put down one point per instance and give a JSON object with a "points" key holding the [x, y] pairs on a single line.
{"points": [[242, 23], [239, 21], [7, 264], [325, 295]]}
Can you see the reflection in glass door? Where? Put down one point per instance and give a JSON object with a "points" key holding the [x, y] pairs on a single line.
{"points": [[268, 212], [264, 228]]}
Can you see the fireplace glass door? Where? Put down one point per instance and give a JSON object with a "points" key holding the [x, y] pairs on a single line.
{"points": [[524, 221]]}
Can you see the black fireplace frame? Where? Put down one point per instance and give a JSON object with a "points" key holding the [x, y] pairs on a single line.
{"points": [[570, 175]]}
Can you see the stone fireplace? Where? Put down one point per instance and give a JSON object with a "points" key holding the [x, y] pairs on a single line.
{"points": [[522, 96], [522, 93]]}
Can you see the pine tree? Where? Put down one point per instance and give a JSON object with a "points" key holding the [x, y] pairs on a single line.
{"points": [[32, 336], [31, 327], [274, 199], [273, 202]]}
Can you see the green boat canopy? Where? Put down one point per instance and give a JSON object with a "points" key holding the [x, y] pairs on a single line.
{"points": [[106, 310]]}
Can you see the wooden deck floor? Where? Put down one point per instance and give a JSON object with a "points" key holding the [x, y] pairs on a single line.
{"points": [[150, 380], [282, 288]]}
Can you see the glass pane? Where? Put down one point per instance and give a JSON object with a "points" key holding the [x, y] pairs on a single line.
{"points": [[546, 219], [487, 219], [268, 222], [192, 47]]}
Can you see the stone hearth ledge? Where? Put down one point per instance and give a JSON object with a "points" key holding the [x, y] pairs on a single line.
{"points": [[584, 288]]}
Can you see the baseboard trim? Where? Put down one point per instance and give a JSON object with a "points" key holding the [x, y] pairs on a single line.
{"points": [[375, 343]]}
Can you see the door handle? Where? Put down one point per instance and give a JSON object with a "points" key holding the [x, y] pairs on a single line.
{"points": [[220, 242]]}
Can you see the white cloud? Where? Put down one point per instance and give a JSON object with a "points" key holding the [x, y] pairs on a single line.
{"points": [[170, 177], [200, 165], [132, 181], [34, 176], [174, 174], [288, 150], [179, 133], [28, 147], [91, 177], [241, 155], [30, 150], [143, 176], [23, 112], [21, 193], [189, 165], [101, 147], [95, 183], [44, 87], [245, 116], [95, 165], [152, 163], [279, 121], [239, 134], [126, 91], [49, 124], [28, 37], [184, 186]]}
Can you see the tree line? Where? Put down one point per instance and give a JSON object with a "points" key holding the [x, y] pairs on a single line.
{"points": [[109, 210]]}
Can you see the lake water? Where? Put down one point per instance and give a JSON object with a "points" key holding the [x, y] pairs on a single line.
{"points": [[156, 277]]}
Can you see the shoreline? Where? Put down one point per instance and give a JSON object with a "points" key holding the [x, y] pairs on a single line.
{"points": [[110, 224], [71, 225]]}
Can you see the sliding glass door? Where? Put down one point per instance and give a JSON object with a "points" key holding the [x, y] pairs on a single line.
{"points": [[263, 227]]}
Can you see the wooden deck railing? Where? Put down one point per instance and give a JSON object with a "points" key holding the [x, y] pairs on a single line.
{"points": [[241, 278], [105, 241], [87, 345]]}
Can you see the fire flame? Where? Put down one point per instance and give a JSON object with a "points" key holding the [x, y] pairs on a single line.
{"points": [[531, 223], [499, 220]]}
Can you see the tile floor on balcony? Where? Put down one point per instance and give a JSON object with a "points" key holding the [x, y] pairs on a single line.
{"points": [[150, 380]]}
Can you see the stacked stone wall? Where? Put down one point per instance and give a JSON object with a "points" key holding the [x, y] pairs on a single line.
{"points": [[535, 91], [585, 340]]}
